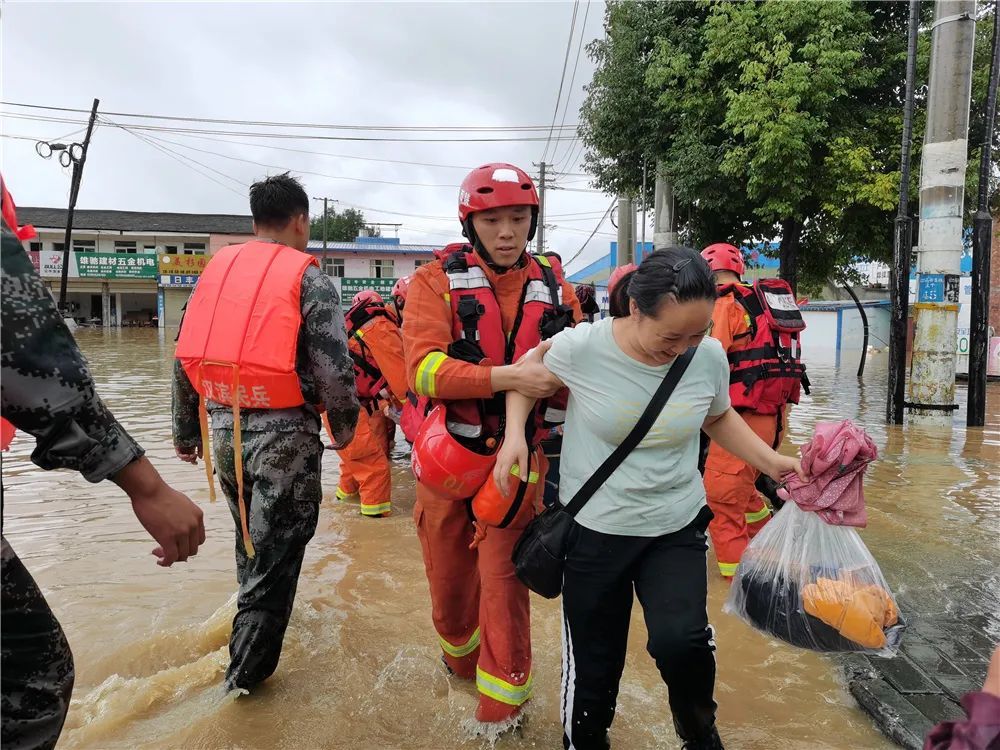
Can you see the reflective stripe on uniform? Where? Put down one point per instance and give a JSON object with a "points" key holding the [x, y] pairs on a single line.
{"points": [[473, 278], [728, 569], [505, 692], [759, 515], [343, 496], [515, 470], [463, 650], [425, 374], [555, 416], [374, 510], [538, 291]]}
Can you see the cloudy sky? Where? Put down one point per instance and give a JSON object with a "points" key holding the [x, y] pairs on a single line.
{"points": [[408, 64]]}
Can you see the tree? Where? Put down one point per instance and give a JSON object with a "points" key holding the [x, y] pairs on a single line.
{"points": [[344, 226], [770, 118]]}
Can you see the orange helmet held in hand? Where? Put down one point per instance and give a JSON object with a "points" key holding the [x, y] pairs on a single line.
{"points": [[493, 507]]}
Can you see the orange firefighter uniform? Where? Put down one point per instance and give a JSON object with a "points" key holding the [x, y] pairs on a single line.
{"points": [[364, 464], [740, 511], [479, 608]]}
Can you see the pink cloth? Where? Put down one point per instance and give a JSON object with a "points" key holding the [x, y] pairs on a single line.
{"points": [[980, 731], [835, 461]]}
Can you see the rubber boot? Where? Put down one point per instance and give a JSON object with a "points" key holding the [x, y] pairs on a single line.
{"points": [[463, 667], [490, 711]]}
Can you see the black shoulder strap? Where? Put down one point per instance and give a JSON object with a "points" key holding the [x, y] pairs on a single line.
{"points": [[659, 400], [550, 279]]}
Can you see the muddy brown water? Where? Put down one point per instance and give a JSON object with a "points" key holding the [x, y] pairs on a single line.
{"points": [[360, 667]]}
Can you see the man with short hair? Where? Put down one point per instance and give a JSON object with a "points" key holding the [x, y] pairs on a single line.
{"points": [[262, 349]]}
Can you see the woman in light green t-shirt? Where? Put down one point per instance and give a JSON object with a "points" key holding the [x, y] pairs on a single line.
{"points": [[643, 531]]}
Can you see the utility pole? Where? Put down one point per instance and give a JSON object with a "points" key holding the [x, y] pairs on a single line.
{"points": [[626, 231], [326, 223], [982, 227], [663, 210], [74, 191], [899, 286], [540, 231], [643, 245], [942, 191]]}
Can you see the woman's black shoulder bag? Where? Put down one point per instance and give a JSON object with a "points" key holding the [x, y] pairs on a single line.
{"points": [[540, 553]]}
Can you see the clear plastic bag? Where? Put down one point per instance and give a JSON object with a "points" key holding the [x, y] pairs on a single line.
{"points": [[815, 586]]}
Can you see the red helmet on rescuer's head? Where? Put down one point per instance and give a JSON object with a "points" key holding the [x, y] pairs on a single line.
{"points": [[617, 274], [495, 186], [366, 296], [400, 288], [444, 465], [724, 257], [495, 508]]}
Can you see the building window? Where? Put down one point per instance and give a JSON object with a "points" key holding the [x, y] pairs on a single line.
{"points": [[125, 246], [194, 248], [418, 263], [84, 246], [170, 249], [35, 247], [58, 247], [382, 269], [334, 267], [149, 249]]}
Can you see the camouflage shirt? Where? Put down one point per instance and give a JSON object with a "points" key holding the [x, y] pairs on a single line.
{"points": [[46, 387], [324, 367]]}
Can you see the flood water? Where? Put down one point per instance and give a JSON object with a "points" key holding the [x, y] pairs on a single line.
{"points": [[360, 667]]}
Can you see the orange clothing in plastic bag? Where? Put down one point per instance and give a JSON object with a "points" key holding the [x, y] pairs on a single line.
{"points": [[859, 613]]}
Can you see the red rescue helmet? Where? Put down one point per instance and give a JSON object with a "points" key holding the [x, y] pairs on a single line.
{"points": [[724, 257], [617, 275], [366, 296], [443, 464], [495, 186], [493, 507], [399, 290]]}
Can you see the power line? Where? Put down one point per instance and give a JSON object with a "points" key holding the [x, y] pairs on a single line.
{"points": [[587, 241], [450, 186], [562, 78], [315, 126], [302, 136], [572, 79]]}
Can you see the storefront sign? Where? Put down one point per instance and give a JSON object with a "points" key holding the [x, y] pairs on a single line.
{"points": [[351, 286], [116, 266], [181, 280], [50, 264], [183, 264]]}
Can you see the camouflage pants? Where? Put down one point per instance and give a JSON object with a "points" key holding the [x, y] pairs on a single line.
{"points": [[36, 675], [282, 492]]}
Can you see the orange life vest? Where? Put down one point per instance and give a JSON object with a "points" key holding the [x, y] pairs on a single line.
{"points": [[239, 339], [368, 378], [768, 372], [479, 338]]}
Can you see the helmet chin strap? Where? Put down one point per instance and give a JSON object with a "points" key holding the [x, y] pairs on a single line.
{"points": [[469, 231]]}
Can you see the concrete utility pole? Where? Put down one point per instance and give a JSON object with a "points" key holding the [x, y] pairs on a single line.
{"points": [[982, 226], [74, 191], [326, 202], [540, 231], [899, 289], [643, 204], [663, 229], [942, 182], [626, 231]]}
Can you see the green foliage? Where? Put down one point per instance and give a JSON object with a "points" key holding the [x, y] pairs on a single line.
{"points": [[771, 119], [344, 226]]}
